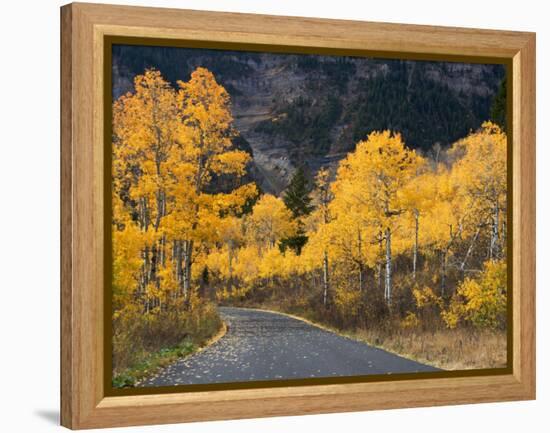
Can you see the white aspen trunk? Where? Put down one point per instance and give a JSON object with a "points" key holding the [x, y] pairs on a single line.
{"points": [[387, 286], [177, 259], [156, 263], [159, 209], [494, 250], [163, 250], [415, 248], [144, 214], [504, 234], [469, 251], [173, 293], [443, 271], [143, 270], [230, 265], [325, 278], [150, 274], [379, 265], [147, 265], [360, 260], [187, 261]]}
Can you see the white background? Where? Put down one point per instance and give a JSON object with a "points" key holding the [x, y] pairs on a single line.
{"points": [[29, 216]]}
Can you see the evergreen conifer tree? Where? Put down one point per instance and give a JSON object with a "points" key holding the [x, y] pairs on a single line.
{"points": [[296, 196], [498, 108], [297, 199]]}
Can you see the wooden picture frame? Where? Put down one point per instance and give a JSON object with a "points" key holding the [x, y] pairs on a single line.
{"points": [[84, 27]]}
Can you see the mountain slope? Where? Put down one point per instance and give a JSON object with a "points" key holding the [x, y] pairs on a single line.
{"points": [[311, 110]]}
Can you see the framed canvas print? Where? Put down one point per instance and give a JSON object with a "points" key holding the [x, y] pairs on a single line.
{"points": [[269, 216]]}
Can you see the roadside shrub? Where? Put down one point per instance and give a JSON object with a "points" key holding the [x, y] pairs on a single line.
{"points": [[136, 335], [481, 301]]}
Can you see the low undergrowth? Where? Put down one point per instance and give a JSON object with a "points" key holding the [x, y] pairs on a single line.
{"points": [[152, 362], [143, 344], [448, 349]]}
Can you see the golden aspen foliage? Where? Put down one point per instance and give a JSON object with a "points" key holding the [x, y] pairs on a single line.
{"points": [[372, 177], [393, 239], [247, 264], [444, 216], [410, 321], [316, 224], [418, 197], [270, 222], [481, 300], [481, 175], [127, 246], [168, 146], [205, 149], [368, 188], [426, 297], [275, 263], [144, 127]]}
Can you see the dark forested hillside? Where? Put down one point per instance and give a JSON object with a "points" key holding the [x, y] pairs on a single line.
{"points": [[306, 110]]}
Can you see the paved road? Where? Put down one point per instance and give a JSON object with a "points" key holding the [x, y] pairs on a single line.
{"points": [[261, 345]]}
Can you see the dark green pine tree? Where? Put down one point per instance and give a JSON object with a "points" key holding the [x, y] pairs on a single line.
{"points": [[296, 195], [498, 108], [297, 199]]}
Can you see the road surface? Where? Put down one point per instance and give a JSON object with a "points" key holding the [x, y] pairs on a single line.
{"points": [[262, 345]]}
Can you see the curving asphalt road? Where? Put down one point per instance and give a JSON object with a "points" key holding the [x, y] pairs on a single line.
{"points": [[262, 345]]}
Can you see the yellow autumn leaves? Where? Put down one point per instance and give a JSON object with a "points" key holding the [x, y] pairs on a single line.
{"points": [[422, 232], [480, 300], [388, 203], [168, 145]]}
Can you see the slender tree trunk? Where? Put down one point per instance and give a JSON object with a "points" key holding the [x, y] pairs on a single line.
{"points": [[159, 209], [187, 262], [146, 265], [360, 259], [388, 287], [174, 261], [361, 270], [494, 249], [185, 283], [230, 265], [379, 264], [177, 257], [325, 278], [144, 214], [155, 263], [443, 271], [469, 251], [163, 250], [144, 268], [151, 270], [504, 234], [415, 248]]}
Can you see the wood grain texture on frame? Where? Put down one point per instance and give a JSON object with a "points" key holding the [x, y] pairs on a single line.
{"points": [[84, 26]]}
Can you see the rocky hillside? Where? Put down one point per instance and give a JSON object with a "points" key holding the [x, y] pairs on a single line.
{"points": [[311, 110]]}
